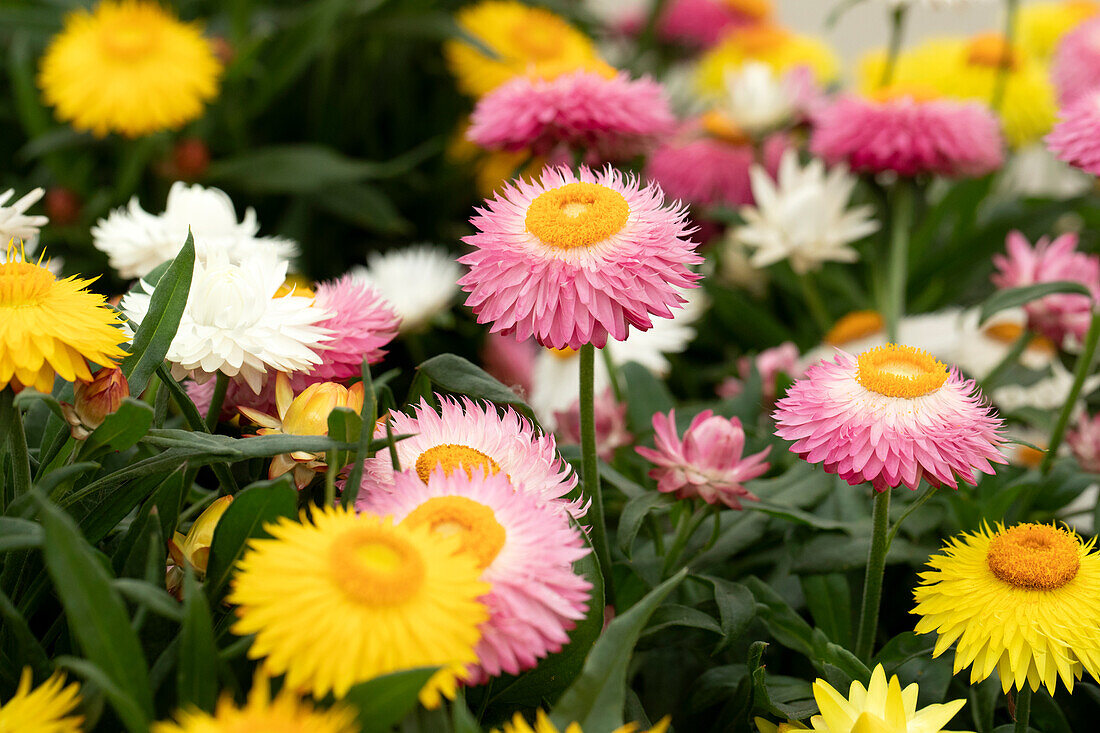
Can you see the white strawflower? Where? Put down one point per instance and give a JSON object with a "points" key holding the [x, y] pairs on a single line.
{"points": [[1035, 172], [758, 99], [136, 241], [234, 324], [804, 217], [419, 282], [14, 222]]}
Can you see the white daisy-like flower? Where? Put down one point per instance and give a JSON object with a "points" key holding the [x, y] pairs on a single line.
{"points": [[804, 217], [234, 323], [14, 222], [419, 282], [758, 99], [136, 241]]}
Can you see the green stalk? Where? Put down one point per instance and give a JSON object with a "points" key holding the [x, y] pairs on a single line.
{"points": [[872, 584], [330, 477], [1081, 371], [897, 34], [590, 468], [1023, 709], [814, 303], [20, 457], [928, 494], [369, 416], [901, 221], [1001, 84], [685, 528], [217, 400], [7, 411]]}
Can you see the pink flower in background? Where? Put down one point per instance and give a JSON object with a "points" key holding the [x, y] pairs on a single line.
{"points": [[1058, 315], [510, 362], [702, 23], [1076, 137], [1076, 67], [611, 432], [237, 394], [909, 137], [611, 118], [361, 324], [707, 463], [1084, 440], [769, 363]]}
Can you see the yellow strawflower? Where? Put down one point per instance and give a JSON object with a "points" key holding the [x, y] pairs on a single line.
{"points": [[129, 66], [881, 707], [346, 597], [285, 712], [45, 709], [1040, 26], [50, 326], [1024, 601], [543, 725], [779, 48], [526, 40]]}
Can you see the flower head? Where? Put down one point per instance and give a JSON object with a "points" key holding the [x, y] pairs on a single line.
{"points": [[474, 439], [362, 322], [707, 462], [234, 323], [1076, 66], [611, 430], [193, 549], [1061, 314], [136, 241], [909, 136], [1073, 138], [890, 417], [769, 44], [1043, 26], [519, 724], [129, 66], [285, 712], [1021, 600], [93, 401], [611, 118], [574, 259], [769, 364], [14, 222], [1084, 440], [51, 326], [759, 100], [525, 548], [803, 216], [702, 23], [418, 282], [378, 598], [883, 707], [47, 708]]}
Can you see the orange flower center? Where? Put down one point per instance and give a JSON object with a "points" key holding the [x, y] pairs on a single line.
{"points": [[23, 283], [479, 533], [1034, 556], [1009, 333], [131, 30], [854, 326], [718, 126], [755, 9], [451, 457], [376, 567], [577, 215], [565, 354], [542, 40], [756, 40], [900, 371], [993, 50]]}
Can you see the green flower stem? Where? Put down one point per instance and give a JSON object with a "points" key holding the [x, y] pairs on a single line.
{"points": [[216, 401], [897, 34], [1023, 709], [7, 412], [590, 467], [901, 221], [330, 477], [1081, 371], [20, 458], [196, 423], [369, 416], [814, 303], [928, 494], [872, 584], [612, 375], [685, 528], [1001, 83]]}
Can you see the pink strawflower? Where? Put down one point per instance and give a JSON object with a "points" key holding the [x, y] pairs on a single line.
{"points": [[1076, 137], [472, 438], [511, 362], [526, 547], [769, 364], [362, 323], [572, 259], [702, 23], [1076, 67], [909, 137], [1084, 440], [611, 431], [1054, 316], [890, 417], [611, 118], [710, 171], [707, 463]]}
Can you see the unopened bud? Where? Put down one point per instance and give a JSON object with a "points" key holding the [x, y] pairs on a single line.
{"points": [[191, 158], [63, 206], [95, 400]]}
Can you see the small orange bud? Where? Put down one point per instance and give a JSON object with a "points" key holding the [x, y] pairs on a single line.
{"points": [[95, 400], [191, 158], [63, 206]]}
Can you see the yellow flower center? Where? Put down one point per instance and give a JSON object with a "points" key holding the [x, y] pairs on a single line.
{"points": [[1009, 333], [854, 326], [295, 285], [755, 9], [757, 40], [23, 283], [451, 456], [479, 533], [132, 31], [565, 354], [543, 40], [1034, 556], [913, 90], [900, 371], [720, 127], [577, 215], [992, 50], [376, 567]]}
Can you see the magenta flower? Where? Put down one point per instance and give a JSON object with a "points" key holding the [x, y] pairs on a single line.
{"points": [[611, 431], [702, 23], [1076, 137], [769, 363], [1061, 314], [1076, 67], [610, 118], [1084, 440], [707, 463], [909, 137]]}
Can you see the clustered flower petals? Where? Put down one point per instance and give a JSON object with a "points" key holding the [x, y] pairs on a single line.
{"points": [[361, 324], [1076, 66], [1074, 137]]}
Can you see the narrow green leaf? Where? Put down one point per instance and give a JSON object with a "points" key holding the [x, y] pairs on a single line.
{"points": [[122, 429], [27, 646], [675, 614], [197, 674], [1015, 297], [797, 516], [829, 599], [155, 598], [383, 701], [344, 426], [363, 205], [455, 374], [19, 534], [634, 514], [129, 712], [736, 608]]}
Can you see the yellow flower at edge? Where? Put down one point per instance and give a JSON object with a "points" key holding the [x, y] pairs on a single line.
{"points": [[130, 67], [766, 726], [526, 40], [881, 707], [50, 326], [284, 712], [1041, 25], [543, 725], [45, 709], [194, 548], [779, 48]]}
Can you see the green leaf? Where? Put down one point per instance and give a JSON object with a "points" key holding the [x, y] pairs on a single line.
{"points": [[645, 396], [19, 534], [455, 374], [197, 674], [98, 618], [260, 503], [736, 608], [129, 711], [595, 699], [121, 429], [675, 614], [793, 514], [383, 701], [829, 599], [157, 330], [153, 597], [345, 426], [26, 644], [1015, 297], [363, 205], [634, 514]]}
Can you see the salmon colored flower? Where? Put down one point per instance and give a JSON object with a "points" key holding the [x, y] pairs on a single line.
{"points": [[93, 401]]}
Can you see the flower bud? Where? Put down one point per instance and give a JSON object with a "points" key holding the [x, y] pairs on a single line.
{"points": [[63, 206], [194, 549], [95, 400], [191, 158]]}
